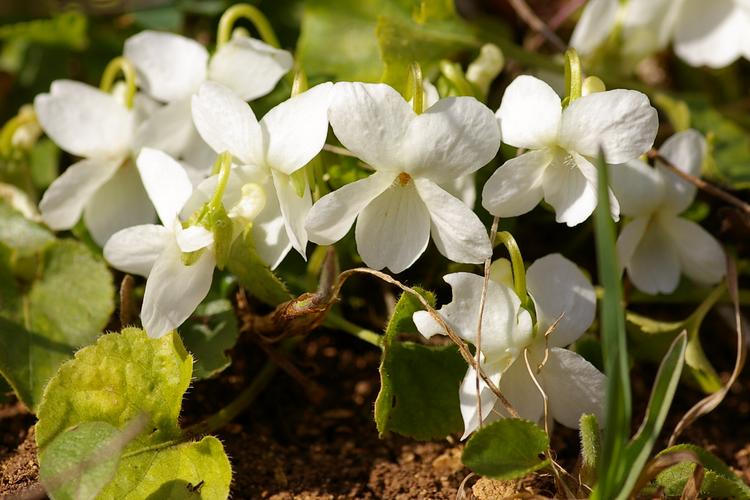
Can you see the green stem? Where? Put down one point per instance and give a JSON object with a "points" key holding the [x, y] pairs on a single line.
{"points": [[696, 318], [252, 14], [10, 128], [115, 66], [335, 321], [417, 88], [516, 260], [244, 399], [224, 166]]}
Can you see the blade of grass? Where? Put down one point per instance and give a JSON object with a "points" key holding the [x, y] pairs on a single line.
{"points": [[665, 385], [618, 406]]}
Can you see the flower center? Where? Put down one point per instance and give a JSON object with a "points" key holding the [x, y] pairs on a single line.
{"points": [[403, 179]]}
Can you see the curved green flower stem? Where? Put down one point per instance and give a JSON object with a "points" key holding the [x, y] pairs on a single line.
{"points": [[244, 399], [516, 260], [417, 90], [573, 76], [115, 66], [223, 167], [252, 14], [10, 128], [696, 318], [333, 320]]}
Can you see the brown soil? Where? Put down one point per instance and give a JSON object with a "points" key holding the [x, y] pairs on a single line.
{"points": [[287, 447]]}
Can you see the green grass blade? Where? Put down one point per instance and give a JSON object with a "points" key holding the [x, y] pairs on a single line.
{"points": [[662, 394], [612, 316]]}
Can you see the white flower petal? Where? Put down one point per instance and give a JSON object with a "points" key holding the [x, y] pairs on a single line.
{"points": [[227, 123], [119, 203], [174, 290], [249, 67], [685, 150], [621, 122], [192, 238], [456, 230], [594, 26], [294, 208], [574, 387], [269, 231], [393, 229], [561, 291], [169, 128], [295, 130], [84, 121], [569, 191], [638, 187], [467, 396], [518, 388], [701, 256], [506, 327], [454, 137], [654, 266], [464, 188], [516, 187], [63, 202], [135, 249], [629, 239], [331, 217], [591, 173], [371, 120], [529, 113], [710, 34], [166, 182], [170, 67]]}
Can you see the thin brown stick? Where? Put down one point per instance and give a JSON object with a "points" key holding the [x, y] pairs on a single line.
{"points": [[463, 349], [529, 17], [338, 150], [480, 320], [555, 22], [700, 183]]}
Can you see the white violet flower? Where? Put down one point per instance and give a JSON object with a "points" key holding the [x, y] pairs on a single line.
{"points": [[562, 145], [658, 245], [714, 33], [104, 186], [401, 204], [171, 69], [268, 153], [562, 294], [174, 289]]}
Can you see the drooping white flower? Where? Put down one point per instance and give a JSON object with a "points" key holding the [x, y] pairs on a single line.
{"points": [[171, 69], [174, 288], [402, 203], [658, 245], [712, 33], [268, 153], [104, 186], [563, 144], [561, 292]]}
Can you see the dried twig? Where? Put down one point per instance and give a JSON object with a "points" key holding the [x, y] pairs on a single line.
{"points": [[700, 183], [529, 17], [566, 10], [480, 319]]}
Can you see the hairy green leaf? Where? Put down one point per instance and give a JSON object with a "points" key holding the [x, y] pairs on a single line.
{"points": [[507, 449], [209, 334], [120, 378], [21, 235], [419, 384], [590, 448], [66, 307], [719, 480]]}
